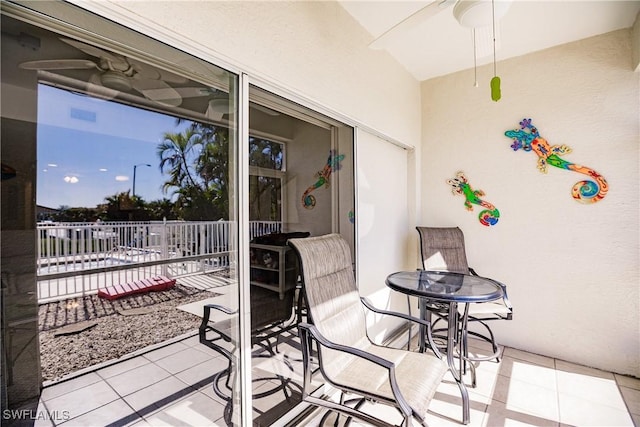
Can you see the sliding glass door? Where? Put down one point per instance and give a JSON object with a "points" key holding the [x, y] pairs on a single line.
{"points": [[139, 180], [120, 192]]}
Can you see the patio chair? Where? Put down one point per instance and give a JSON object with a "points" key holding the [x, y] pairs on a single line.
{"points": [[443, 249], [270, 317], [347, 358]]}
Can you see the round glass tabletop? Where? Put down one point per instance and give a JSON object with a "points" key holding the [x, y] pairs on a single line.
{"points": [[445, 286]]}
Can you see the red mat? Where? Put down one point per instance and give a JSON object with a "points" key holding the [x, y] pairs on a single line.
{"points": [[157, 283]]}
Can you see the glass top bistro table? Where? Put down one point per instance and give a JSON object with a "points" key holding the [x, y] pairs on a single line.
{"points": [[451, 288]]}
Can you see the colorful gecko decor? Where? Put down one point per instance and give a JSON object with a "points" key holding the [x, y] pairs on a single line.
{"points": [[333, 164], [460, 185], [528, 138]]}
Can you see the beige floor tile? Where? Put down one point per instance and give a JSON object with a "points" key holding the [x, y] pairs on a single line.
{"points": [[627, 381], [44, 418], [562, 366], [446, 410], [137, 379], [195, 410], [182, 360], [589, 384], [65, 387], [83, 400], [528, 372], [530, 357], [201, 375], [158, 395], [631, 397], [578, 411], [116, 412], [485, 386], [527, 398], [482, 347], [121, 367], [165, 351], [500, 414], [523, 389], [482, 393]]}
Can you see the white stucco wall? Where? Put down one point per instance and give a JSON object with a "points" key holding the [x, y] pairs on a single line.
{"points": [[571, 269]]}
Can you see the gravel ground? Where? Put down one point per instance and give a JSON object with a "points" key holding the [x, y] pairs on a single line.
{"points": [[114, 328]]}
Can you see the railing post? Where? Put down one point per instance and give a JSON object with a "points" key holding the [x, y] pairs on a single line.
{"points": [[164, 245]]}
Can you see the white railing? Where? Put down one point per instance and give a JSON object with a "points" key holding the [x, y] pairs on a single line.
{"points": [[76, 259]]}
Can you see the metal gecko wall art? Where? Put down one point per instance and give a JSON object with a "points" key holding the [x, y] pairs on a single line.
{"points": [[333, 164], [460, 185], [528, 138]]}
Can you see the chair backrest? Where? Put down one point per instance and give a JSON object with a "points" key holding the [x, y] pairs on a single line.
{"points": [[333, 301], [442, 249]]}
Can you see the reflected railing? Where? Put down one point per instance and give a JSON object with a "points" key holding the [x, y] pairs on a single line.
{"points": [[76, 259]]}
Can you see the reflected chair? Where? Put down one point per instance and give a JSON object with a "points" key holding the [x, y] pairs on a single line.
{"points": [[443, 249], [348, 360], [270, 317]]}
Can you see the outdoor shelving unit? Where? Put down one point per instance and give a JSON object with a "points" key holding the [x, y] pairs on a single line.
{"points": [[273, 267]]}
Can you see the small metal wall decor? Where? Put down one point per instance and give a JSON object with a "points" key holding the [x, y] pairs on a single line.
{"points": [[460, 185], [333, 164], [528, 138]]}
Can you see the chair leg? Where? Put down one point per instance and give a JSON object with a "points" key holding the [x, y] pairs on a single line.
{"points": [[409, 323], [491, 339]]}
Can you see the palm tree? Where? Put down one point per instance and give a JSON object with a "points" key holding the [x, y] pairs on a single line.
{"points": [[177, 158], [196, 162]]}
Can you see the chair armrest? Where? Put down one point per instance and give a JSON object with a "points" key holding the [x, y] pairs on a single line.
{"points": [[222, 308], [370, 306], [505, 297], [315, 333], [306, 328], [426, 323], [206, 315]]}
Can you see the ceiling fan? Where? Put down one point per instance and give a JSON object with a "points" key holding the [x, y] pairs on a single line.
{"points": [[469, 13], [117, 73], [218, 101]]}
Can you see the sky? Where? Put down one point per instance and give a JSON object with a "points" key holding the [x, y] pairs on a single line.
{"points": [[88, 147]]}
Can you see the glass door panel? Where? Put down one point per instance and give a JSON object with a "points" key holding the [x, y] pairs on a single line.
{"points": [[121, 167], [301, 179]]}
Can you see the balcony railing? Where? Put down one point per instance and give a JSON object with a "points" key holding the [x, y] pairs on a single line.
{"points": [[76, 259]]}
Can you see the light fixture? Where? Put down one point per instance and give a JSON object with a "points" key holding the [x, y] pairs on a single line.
{"points": [[479, 13], [219, 104], [115, 80], [133, 190]]}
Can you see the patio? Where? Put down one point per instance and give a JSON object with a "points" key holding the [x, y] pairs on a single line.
{"points": [[563, 261], [170, 384]]}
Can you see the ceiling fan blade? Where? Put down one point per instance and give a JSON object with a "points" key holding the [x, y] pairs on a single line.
{"points": [[264, 109], [146, 71], [158, 91], [59, 64], [93, 51], [194, 92], [410, 22]]}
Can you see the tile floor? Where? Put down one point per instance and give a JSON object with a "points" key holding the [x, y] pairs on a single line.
{"points": [[170, 386]]}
